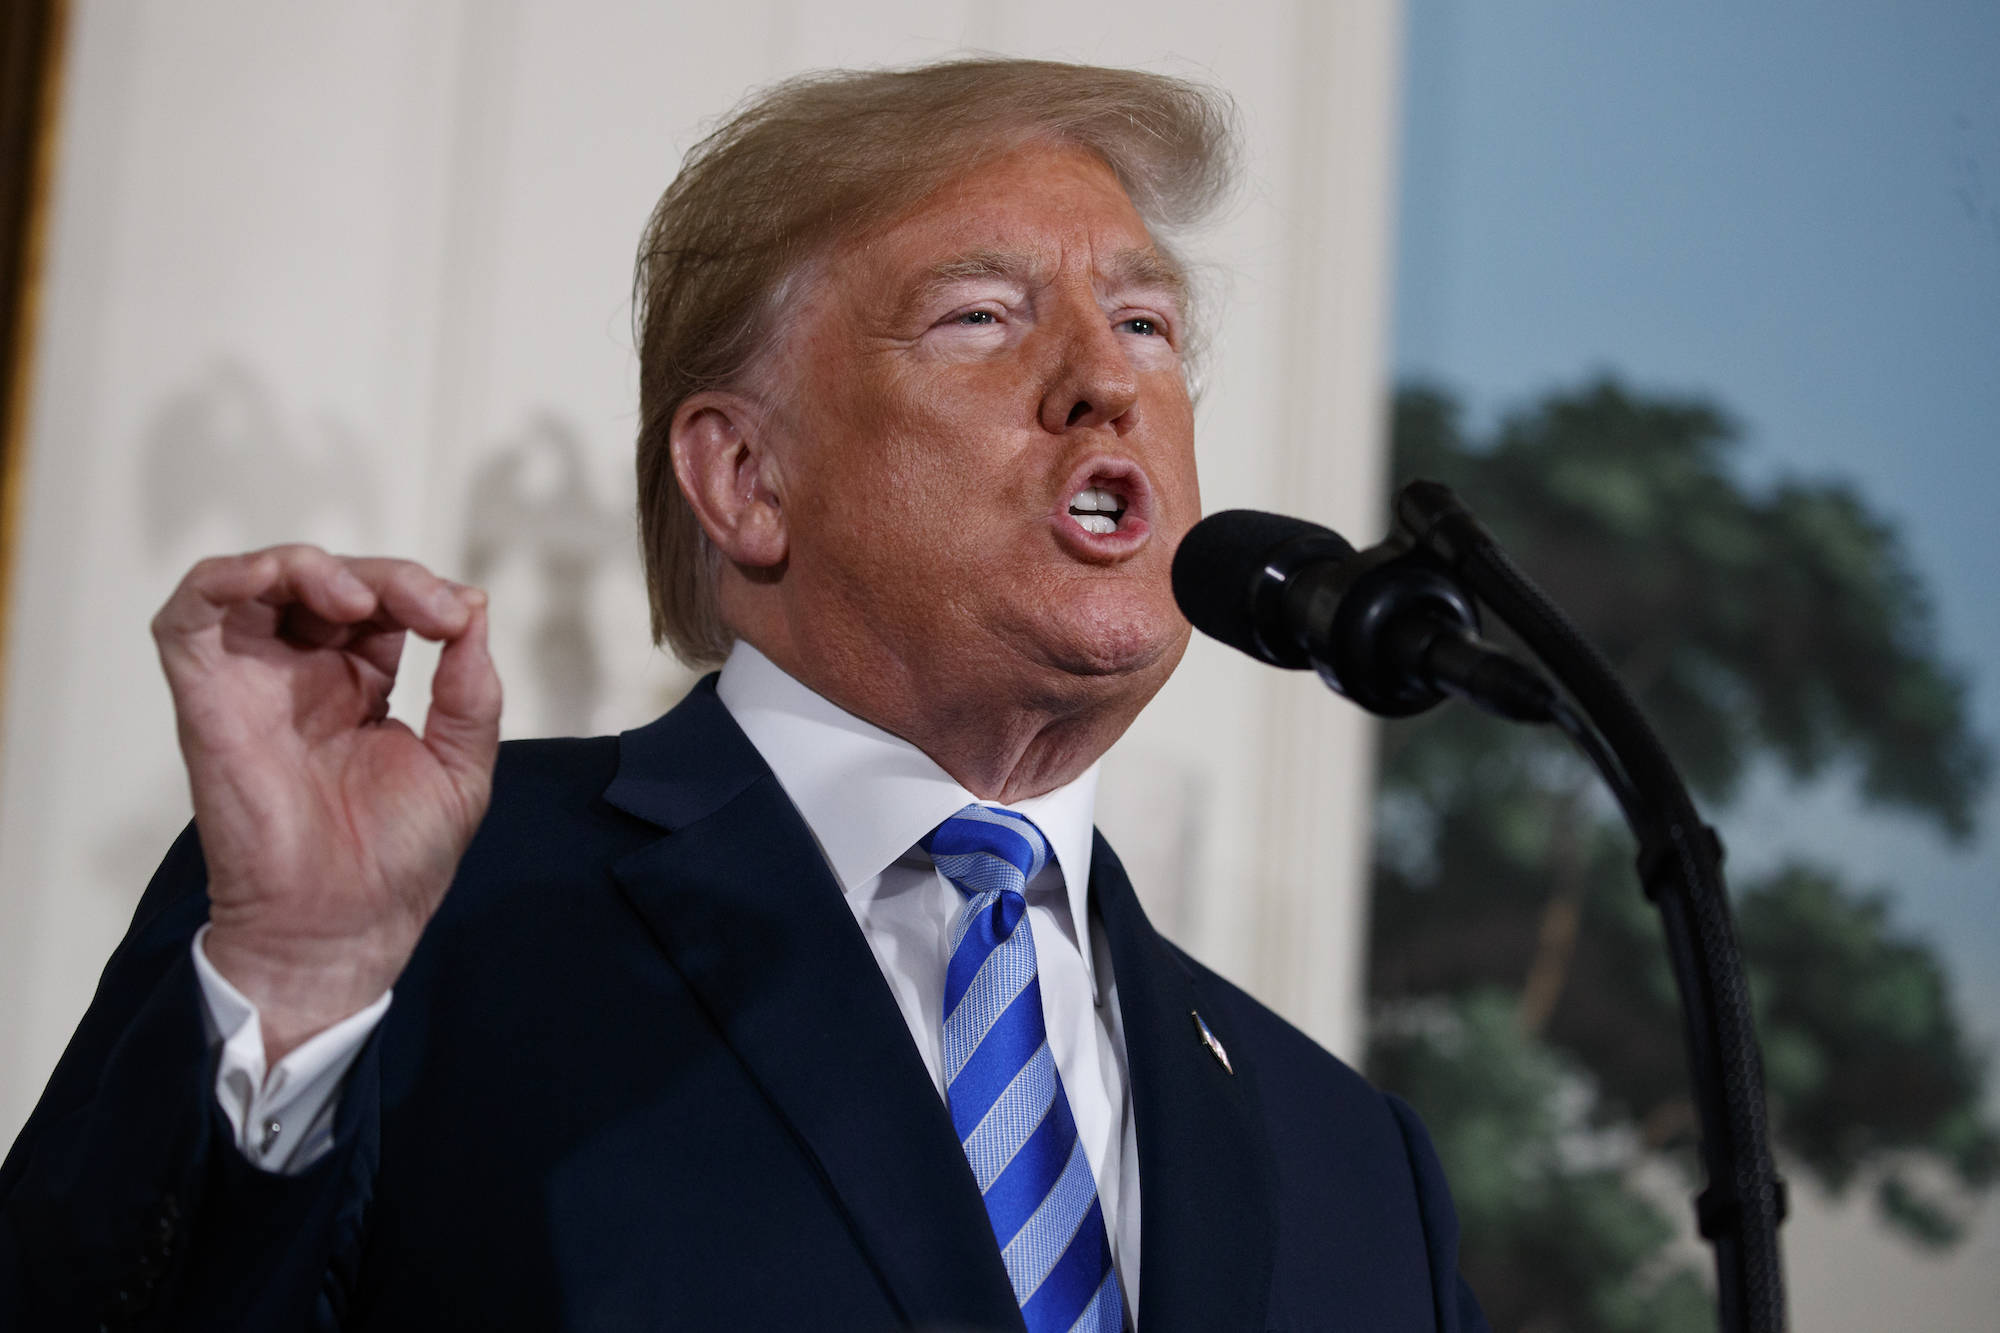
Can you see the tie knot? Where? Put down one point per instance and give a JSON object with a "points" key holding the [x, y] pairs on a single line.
{"points": [[984, 850]]}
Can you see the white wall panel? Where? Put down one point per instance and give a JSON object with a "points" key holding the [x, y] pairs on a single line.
{"points": [[331, 272]]}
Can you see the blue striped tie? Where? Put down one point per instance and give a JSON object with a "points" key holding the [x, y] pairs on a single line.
{"points": [[1006, 1098]]}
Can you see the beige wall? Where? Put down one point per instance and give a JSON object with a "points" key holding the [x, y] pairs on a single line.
{"points": [[358, 274]]}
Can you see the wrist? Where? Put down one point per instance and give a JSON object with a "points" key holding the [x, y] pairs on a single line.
{"points": [[301, 988]]}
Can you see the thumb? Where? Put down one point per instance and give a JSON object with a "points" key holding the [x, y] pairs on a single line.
{"points": [[463, 726]]}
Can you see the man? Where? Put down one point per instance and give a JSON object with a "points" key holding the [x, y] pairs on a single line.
{"points": [[813, 1003]]}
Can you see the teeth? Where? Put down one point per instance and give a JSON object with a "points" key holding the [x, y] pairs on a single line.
{"points": [[1097, 510]]}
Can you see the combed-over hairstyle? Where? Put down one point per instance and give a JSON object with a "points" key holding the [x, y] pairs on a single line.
{"points": [[805, 164]]}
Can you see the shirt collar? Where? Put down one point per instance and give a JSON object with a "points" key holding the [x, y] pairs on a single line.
{"points": [[869, 795]]}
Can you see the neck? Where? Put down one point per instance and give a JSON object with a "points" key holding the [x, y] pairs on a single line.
{"points": [[999, 744], [1011, 754]]}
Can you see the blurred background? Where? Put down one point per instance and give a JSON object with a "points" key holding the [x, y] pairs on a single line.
{"points": [[1699, 308]]}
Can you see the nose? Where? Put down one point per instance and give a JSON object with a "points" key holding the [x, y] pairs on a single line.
{"points": [[1092, 381]]}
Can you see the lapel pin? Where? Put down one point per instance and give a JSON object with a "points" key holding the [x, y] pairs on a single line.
{"points": [[1208, 1040]]}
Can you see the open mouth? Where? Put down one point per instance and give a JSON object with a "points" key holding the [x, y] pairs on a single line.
{"points": [[1097, 510], [1107, 515]]}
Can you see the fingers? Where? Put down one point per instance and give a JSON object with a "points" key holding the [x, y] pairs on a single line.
{"points": [[463, 727], [316, 599], [408, 596], [375, 643], [301, 625], [221, 584]]}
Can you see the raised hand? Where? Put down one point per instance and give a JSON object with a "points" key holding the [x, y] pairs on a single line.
{"points": [[331, 830]]}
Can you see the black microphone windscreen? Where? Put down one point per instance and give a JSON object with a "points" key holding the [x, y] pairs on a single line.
{"points": [[1224, 564]]}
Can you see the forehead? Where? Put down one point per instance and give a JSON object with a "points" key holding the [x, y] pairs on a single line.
{"points": [[1024, 215]]}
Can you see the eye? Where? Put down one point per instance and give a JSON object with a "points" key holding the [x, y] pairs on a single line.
{"points": [[1141, 325], [974, 317]]}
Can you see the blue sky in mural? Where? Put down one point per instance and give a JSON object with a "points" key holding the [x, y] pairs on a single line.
{"points": [[1792, 211]]}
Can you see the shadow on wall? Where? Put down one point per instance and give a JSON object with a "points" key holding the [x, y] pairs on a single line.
{"points": [[220, 455], [224, 466], [532, 503]]}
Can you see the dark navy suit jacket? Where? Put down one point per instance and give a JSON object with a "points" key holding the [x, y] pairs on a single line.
{"points": [[643, 1072]]}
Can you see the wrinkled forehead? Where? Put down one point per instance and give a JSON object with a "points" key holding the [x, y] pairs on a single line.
{"points": [[1024, 217]]}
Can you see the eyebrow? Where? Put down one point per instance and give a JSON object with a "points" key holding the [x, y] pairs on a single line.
{"points": [[1126, 270], [1149, 268]]}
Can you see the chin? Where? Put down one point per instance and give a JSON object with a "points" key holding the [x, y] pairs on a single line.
{"points": [[1119, 642]]}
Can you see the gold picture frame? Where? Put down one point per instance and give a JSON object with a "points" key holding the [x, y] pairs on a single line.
{"points": [[31, 48]]}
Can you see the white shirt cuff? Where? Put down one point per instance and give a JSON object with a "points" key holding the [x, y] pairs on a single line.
{"points": [[282, 1117]]}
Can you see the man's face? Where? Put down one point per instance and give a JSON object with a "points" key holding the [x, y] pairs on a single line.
{"points": [[987, 445]]}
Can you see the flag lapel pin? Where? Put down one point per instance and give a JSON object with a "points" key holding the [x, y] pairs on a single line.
{"points": [[1208, 1040]]}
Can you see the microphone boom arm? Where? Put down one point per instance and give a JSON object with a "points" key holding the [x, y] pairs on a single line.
{"points": [[1680, 869]]}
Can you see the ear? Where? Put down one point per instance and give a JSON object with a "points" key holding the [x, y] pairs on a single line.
{"points": [[723, 461]]}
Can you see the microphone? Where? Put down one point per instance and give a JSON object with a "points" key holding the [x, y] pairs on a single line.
{"points": [[1385, 627]]}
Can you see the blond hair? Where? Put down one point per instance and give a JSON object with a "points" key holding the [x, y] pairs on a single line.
{"points": [[811, 161]]}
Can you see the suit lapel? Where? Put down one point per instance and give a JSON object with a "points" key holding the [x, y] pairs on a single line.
{"points": [[1207, 1223], [740, 899]]}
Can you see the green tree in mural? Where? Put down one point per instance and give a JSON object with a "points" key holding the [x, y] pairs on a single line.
{"points": [[1520, 990]]}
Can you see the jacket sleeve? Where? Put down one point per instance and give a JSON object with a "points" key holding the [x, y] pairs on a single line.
{"points": [[124, 1202], [1457, 1309]]}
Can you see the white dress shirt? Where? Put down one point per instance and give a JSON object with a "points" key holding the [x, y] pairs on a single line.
{"points": [[867, 796]]}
